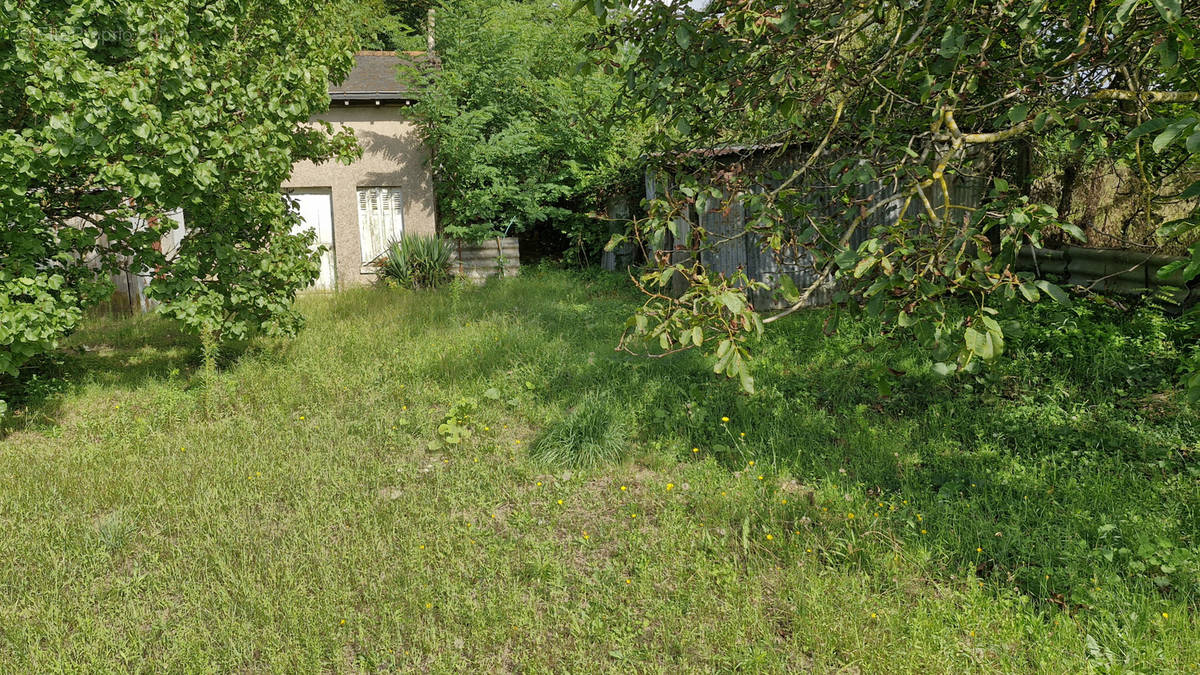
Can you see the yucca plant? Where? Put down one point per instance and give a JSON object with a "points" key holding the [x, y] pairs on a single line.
{"points": [[418, 261]]}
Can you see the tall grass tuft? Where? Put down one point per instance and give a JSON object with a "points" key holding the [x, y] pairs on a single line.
{"points": [[589, 435], [418, 261]]}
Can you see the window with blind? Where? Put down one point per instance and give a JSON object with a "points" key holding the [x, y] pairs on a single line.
{"points": [[380, 221]]}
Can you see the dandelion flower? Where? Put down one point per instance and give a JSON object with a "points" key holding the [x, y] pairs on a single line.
{"points": [[539, 483], [429, 605], [633, 515], [850, 516], [1166, 616], [560, 502], [743, 434], [695, 449], [343, 622], [751, 462], [422, 547], [628, 581], [622, 488], [724, 419], [979, 549], [922, 531], [770, 537], [760, 477], [302, 417], [670, 485], [783, 501]]}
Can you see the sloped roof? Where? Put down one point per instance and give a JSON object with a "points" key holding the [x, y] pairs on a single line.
{"points": [[376, 76]]}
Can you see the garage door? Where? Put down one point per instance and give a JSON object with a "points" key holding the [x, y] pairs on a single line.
{"points": [[316, 209]]}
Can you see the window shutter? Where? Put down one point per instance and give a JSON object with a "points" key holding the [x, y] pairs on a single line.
{"points": [[380, 221]]}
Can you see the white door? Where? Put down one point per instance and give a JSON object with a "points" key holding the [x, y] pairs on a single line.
{"points": [[316, 209]]}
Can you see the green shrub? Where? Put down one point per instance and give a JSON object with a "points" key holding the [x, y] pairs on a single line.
{"points": [[418, 261]]}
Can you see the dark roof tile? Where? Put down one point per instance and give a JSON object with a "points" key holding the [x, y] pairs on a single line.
{"points": [[377, 76]]}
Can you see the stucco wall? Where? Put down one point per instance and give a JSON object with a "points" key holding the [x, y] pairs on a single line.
{"points": [[393, 156]]}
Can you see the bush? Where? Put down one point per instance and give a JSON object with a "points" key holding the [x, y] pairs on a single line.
{"points": [[418, 261]]}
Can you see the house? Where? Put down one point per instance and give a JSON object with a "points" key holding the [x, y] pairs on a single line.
{"points": [[358, 209]]}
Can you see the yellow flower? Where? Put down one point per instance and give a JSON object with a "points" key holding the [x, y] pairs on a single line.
{"points": [[622, 488], [922, 531], [422, 547], [1166, 616], [539, 483], [302, 417], [487, 428], [343, 622], [560, 502], [628, 581], [429, 605], [633, 515], [760, 477], [978, 549], [518, 441], [769, 537], [670, 485], [743, 434], [783, 501], [751, 462], [403, 407], [850, 516], [724, 419], [874, 616], [809, 550], [695, 449]]}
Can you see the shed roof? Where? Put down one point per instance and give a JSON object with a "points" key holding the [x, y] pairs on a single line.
{"points": [[376, 76]]}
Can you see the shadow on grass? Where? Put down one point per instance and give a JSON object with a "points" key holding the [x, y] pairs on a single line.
{"points": [[1072, 479], [1046, 476]]}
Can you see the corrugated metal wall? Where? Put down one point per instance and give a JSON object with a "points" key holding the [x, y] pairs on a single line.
{"points": [[731, 248]]}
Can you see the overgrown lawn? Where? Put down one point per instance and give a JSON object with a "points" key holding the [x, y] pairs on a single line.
{"points": [[300, 509]]}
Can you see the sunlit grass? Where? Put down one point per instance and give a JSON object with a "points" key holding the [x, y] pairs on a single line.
{"points": [[301, 511]]}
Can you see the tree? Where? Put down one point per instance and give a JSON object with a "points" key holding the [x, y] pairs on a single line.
{"points": [[907, 97], [520, 137], [117, 113]]}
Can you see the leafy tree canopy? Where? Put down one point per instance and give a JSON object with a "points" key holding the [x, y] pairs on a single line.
{"points": [[520, 136], [116, 113], [907, 98]]}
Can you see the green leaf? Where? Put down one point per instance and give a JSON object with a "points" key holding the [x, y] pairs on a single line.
{"points": [[944, 369], [1193, 143], [683, 35], [1169, 9], [1149, 127], [787, 288], [1074, 230], [1167, 137], [733, 302], [1018, 113], [1191, 191], [1060, 296]]}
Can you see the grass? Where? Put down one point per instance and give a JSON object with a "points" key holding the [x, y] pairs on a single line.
{"points": [[422, 482]]}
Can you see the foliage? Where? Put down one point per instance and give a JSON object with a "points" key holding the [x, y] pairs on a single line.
{"points": [[519, 136], [418, 261], [117, 113], [1062, 480], [881, 108]]}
